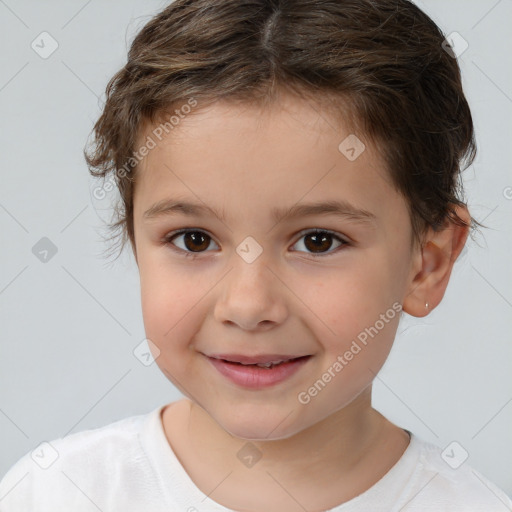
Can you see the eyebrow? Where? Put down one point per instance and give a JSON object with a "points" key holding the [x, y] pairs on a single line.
{"points": [[339, 208]]}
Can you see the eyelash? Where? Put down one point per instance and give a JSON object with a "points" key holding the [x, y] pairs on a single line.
{"points": [[168, 241]]}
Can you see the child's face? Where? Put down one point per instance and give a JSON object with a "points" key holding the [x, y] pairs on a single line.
{"points": [[245, 163]]}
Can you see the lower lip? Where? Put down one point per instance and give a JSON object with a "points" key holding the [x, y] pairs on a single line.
{"points": [[251, 376]]}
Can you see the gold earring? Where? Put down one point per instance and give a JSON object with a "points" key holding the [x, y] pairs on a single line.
{"points": [[426, 305]]}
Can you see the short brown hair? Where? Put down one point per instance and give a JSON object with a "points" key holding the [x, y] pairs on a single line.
{"points": [[380, 62]]}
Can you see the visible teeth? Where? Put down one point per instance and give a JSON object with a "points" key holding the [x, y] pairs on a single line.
{"points": [[263, 365], [268, 365]]}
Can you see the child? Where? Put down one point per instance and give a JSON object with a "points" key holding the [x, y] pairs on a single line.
{"points": [[289, 180]]}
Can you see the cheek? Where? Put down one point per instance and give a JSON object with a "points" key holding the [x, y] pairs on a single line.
{"points": [[173, 301], [165, 289], [356, 312], [167, 299], [168, 315], [349, 298]]}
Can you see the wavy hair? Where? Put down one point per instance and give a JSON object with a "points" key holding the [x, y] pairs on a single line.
{"points": [[379, 64]]}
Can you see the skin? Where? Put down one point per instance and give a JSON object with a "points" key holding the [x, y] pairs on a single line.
{"points": [[245, 161]]}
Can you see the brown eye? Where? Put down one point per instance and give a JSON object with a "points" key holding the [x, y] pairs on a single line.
{"points": [[319, 242], [196, 241], [191, 241]]}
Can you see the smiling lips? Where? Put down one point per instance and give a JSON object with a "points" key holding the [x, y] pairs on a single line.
{"points": [[263, 360], [257, 372]]}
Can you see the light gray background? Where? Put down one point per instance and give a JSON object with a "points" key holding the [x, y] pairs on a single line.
{"points": [[69, 326]]}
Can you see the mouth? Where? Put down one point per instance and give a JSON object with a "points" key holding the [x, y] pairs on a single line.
{"points": [[257, 372], [261, 361]]}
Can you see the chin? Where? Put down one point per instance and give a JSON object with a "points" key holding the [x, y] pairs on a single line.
{"points": [[255, 432], [258, 426]]}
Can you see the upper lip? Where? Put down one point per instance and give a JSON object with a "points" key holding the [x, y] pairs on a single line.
{"points": [[256, 359]]}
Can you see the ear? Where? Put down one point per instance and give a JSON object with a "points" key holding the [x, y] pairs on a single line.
{"points": [[432, 265]]}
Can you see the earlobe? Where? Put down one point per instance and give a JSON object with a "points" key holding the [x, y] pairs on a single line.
{"points": [[423, 282], [435, 261]]}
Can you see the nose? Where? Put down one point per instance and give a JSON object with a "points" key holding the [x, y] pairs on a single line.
{"points": [[251, 297]]}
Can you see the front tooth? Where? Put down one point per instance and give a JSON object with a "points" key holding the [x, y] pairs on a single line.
{"points": [[268, 365], [263, 365]]}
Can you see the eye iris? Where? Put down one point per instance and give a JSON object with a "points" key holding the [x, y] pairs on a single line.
{"points": [[319, 241], [195, 237]]}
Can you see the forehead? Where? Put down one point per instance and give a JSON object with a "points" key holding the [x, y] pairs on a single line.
{"points": [[244, 157]]}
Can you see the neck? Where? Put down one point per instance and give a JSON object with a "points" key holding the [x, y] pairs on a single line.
{"points": [[351, 432], [326, 464]]}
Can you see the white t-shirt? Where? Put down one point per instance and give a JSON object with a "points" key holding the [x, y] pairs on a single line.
{"points": [[129, 466]]}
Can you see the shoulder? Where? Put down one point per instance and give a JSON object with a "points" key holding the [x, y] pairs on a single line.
{"points": [[444, 481], [56, 472]]}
